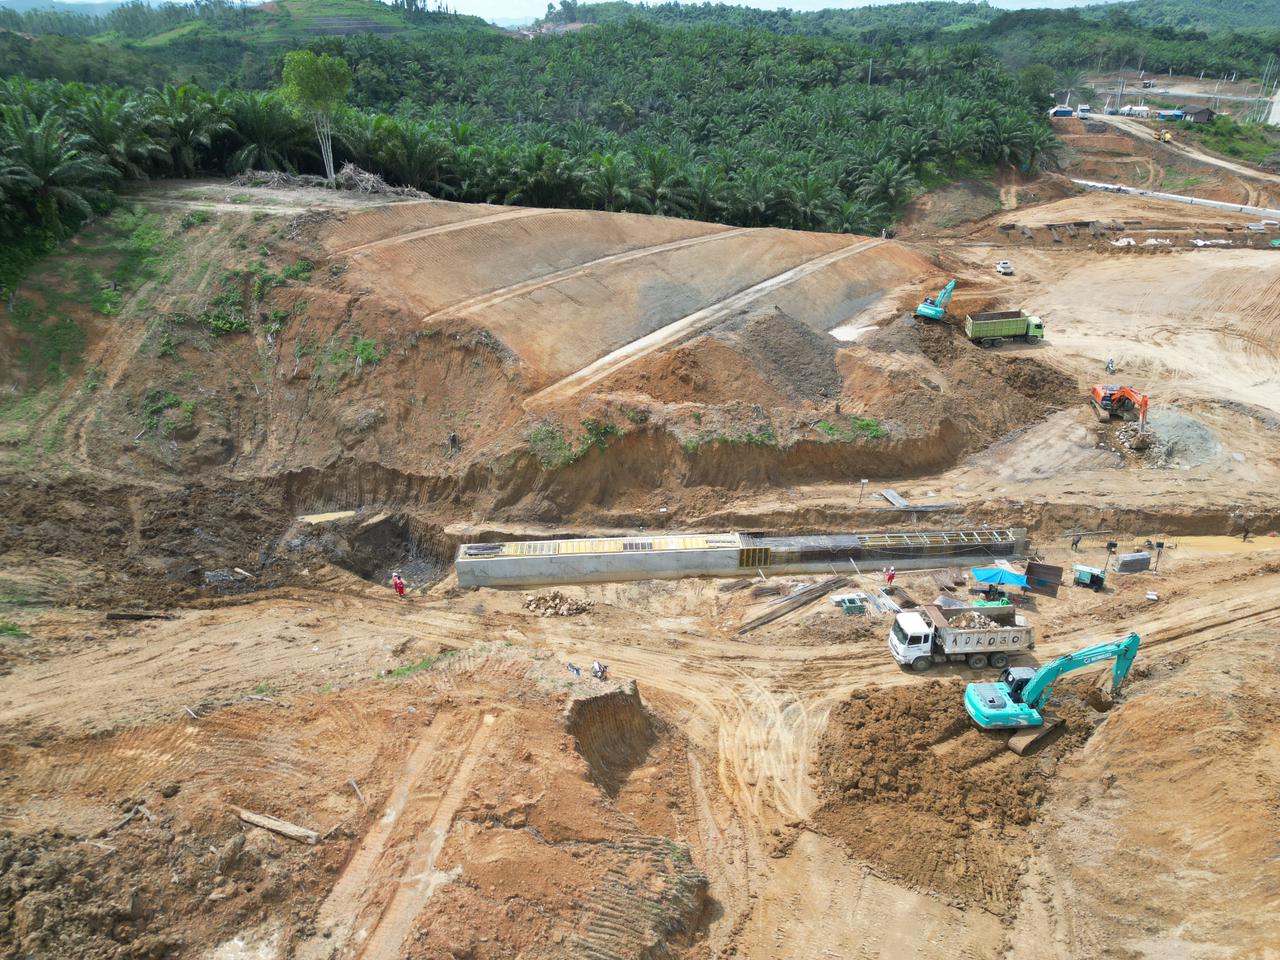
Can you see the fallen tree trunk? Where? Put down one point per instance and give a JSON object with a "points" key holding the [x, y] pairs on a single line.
{"points": [[276, 825]]}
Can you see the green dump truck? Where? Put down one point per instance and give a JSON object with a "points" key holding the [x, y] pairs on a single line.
{"points": [[990, 329]]}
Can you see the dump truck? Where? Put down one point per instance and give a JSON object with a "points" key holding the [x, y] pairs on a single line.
{"points": [[990, 329], [976, 636]]}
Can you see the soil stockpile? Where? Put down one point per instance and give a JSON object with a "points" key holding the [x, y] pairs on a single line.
{"points": [[909, 785]]}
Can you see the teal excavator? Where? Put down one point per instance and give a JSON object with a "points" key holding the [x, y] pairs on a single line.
{"points": [[935, 308], [1016, 700]]}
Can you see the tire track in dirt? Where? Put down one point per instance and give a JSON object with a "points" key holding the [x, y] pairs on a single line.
{"points": [[519, 213], [616, 360], [357, 884], [421, 879], [501, 295]]}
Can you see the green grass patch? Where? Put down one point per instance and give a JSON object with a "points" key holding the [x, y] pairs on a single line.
{"points": [[426, 663], [155, 403], [554, 450], [107, 302], [1252, 142], [19, 413], [849, 429], [298, 271], [52, 346], [196, 218], [10, 629]]}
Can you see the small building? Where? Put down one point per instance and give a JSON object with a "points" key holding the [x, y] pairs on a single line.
{"points": [[1131, 110], [1169, 116], [1062, 112], [1198, 114]]}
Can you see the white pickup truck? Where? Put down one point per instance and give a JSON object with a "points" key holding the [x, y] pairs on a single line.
{"points": [[976, 635]]}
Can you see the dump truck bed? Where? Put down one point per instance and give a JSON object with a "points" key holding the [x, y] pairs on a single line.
{"points": [[1006, 630], [1004, 323]]}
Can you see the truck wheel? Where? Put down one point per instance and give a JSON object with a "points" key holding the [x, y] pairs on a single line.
{"points": [[976, 661], [988, 342], [921, 664], [1032, 338], [999, 661]]}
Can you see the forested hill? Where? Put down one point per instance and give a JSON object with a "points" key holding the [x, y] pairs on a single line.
{"points": [[1185, 35], [925, 17], [282, 21]]}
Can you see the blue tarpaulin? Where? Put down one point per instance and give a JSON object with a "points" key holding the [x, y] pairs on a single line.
{"points": [[998, 576]]}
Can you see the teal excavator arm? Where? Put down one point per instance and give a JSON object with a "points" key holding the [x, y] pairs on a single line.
{"points": [[1037, 690], [945, 296], [1018, 697]]}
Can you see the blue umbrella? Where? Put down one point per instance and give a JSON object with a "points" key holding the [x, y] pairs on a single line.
{"points": [[998, 576]]}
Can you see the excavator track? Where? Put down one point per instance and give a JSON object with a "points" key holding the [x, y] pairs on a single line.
{"points": [[1021, 741]]}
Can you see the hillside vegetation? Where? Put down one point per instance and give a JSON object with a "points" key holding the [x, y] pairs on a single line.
{"points": [[1164, 34]]}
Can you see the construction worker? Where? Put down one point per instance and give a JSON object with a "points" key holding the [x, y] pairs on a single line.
{"points": [[599, 670], [1111, 364], [1075, 543], [398, 583], [888, 577]]}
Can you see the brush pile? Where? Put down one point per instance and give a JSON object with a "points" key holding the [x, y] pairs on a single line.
{"points": [[350, 177]]}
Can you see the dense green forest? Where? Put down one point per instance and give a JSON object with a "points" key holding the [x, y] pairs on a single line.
{"points": [[736, 126], [1160, 33], [724, 122]]}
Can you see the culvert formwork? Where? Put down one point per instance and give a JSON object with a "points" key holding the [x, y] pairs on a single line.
{"points": [[666, 557]]}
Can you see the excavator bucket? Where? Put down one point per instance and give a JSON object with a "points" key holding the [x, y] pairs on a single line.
{"points": [[1022, 741]]}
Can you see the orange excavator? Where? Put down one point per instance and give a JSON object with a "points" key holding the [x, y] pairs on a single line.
{"points": [[1125, 403]]}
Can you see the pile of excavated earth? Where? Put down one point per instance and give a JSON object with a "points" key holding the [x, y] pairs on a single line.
{"points": [[223, 736]]}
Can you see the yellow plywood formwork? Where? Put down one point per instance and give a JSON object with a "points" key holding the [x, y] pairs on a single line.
{"points": [[598, 545]]}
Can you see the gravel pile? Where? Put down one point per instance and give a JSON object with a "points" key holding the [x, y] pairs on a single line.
{"points": [[556, 604]]}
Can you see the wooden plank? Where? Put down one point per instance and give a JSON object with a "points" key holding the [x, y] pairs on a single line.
{"points": [[892, 497], [276, 825]]}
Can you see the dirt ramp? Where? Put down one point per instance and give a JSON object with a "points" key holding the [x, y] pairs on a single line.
{"points": [[612, 731]]}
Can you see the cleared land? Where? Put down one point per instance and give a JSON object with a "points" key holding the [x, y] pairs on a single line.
{"points": [[416, 374]]}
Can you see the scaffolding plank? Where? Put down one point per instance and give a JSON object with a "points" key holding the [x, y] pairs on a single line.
{"points": [[892, 497]]}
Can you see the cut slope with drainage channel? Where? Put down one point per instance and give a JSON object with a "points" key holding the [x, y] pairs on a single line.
{"points": [[612, 362]]}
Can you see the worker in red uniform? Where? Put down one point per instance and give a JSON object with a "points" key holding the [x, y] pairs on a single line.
{"points": [[398, 584], [888, 577]]}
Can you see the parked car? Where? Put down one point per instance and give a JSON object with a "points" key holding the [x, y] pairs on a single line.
{"points": [[1005, 267]]}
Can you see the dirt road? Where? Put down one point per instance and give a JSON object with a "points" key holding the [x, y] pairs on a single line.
{"points": [[1142, 131]]}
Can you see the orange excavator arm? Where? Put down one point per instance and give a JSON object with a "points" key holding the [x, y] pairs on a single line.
{"points": [[1139, 400], [1117, 398]]}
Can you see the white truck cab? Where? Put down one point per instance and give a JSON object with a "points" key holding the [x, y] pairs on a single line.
{"points": [[910, 638]]}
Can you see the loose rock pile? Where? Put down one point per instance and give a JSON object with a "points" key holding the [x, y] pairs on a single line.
{"points": [[556, 604], [973, 620], [1129, 436]]}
